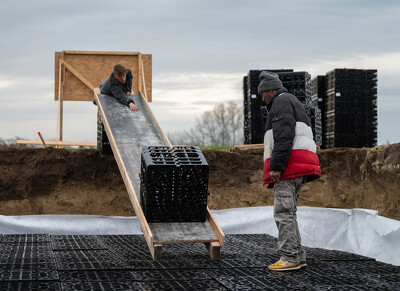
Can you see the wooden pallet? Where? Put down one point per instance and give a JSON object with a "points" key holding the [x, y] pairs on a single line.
{"points": [[127, 132]]}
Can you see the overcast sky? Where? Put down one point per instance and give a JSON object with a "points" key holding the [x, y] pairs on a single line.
{"points": [[201, 51]]}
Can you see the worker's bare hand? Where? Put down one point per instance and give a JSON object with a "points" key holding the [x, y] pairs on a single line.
{"points": [[128, 93], [133, 107], [275, 175]]}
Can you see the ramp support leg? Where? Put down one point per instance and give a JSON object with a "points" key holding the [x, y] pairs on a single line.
{"points": [[156, 252], [214, 248]]}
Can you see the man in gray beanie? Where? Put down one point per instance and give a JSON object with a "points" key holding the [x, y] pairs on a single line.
{"points": [[269, 81], [290, 160]]}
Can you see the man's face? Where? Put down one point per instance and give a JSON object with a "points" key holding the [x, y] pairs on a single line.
{"points": [[121, 79], [266, 96]]}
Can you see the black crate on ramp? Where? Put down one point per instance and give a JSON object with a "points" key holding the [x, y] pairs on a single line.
{"points": [[174, 184]]}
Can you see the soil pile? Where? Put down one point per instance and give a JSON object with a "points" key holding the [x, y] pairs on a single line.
{"points": [[59, 181]]}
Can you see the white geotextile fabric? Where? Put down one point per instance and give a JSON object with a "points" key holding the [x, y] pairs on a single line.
{"points": [[358, 231]]}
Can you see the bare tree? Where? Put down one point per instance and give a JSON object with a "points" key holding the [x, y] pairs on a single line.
{"points": [[222, 126]]}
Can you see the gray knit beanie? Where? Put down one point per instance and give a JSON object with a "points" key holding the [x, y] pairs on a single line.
{"points": [[269, 81]]}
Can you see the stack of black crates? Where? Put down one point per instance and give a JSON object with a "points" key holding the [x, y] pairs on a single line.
{"points": [[297, 83], [174, 184], [103, 144], [318, 101], [349, 107]]}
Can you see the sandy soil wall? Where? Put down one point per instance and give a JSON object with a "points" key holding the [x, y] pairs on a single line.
{"points": [[51, 181]]}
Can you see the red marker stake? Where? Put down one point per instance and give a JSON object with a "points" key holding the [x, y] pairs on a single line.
{"points": [[42, 139]]}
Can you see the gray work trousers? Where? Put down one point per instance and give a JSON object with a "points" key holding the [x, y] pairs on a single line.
{"points": [[285, 207]]}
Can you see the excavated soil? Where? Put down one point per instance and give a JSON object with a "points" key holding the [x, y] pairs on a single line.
{"points": [[60, 181]]}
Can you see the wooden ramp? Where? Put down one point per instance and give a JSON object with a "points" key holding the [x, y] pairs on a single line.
{"points": [[127, 132]]}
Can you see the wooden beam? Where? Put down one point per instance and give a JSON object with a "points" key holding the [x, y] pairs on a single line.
{"points": [[144, 84], [77, 74], [214, 249], [140, 75], [42, 139], [61, 76], [249, 146], [59, 143], [218, 231], [101, 53], [156, 251]]}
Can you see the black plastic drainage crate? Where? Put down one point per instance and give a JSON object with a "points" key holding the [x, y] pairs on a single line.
{"points": [[174, 184]]}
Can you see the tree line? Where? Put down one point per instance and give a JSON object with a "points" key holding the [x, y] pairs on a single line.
{"points": [[221, 126]]}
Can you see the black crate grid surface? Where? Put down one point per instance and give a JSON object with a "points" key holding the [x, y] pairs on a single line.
{"points": [[174, 184], [123, 262]]}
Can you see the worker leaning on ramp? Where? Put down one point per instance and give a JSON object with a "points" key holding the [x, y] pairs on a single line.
{"points": [[119, 86]]}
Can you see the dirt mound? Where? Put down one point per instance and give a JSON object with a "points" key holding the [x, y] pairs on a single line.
{"points": [[51, 181]]}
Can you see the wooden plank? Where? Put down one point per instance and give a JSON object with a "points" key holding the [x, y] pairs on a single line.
{"points": [[144, 90], [61, 82], [102, 53], [57, 57], [218, 231], [147, 67], [140, 76], [183, 232], [61, 143], [250, 146]]}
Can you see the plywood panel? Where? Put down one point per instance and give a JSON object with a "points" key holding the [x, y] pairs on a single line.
{"points": [[96, 67]]}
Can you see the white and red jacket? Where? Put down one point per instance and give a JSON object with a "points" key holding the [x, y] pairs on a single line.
{"points": [[288, 142]]}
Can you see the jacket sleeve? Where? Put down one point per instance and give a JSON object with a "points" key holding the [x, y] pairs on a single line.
{"points": [[283, 129], [120, 95]]}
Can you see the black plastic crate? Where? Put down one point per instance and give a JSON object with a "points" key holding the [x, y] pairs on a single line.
{"points": [[32, 286], [28, 275], [351, 100], [125, 286], [174, 184], [25, 238]]}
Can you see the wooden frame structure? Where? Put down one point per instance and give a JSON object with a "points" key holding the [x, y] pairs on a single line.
{"points": [[77, 73], [156, 234]]}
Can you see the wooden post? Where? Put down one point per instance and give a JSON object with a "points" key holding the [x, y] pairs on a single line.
{"points": [[156, 251], [144, 84], [59, 135], [214, 249], [41, 138], [140, 76]]}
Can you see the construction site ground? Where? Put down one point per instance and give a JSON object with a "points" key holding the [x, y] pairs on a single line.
{"points": [[123, 262], [61, 181]]}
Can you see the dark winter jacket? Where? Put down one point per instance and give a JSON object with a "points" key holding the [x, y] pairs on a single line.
{"points": [[115, 88], [288, 142]]}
